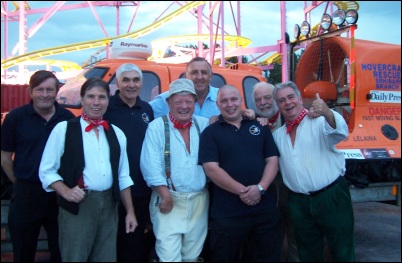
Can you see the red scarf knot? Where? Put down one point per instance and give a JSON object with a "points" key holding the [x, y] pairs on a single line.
{"points": [[273, 121], [179, 125], [290, 124], [94, 122]]}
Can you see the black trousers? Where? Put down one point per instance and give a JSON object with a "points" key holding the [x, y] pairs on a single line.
{"points": [[31, 207], [261, 234], [136, 246]]}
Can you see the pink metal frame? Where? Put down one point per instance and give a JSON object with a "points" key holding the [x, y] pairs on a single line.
{"points": [[21, 15]]}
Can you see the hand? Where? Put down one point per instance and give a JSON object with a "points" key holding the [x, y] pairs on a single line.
{"points": [[250, 195], [166, 205], [318, 107], [213, 119], [263, 121], [131, 223], [249, 114], [75, 194]]}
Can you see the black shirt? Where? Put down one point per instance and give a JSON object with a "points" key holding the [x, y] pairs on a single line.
{"points": [[241, 153], [25, 133], [133, 121]]}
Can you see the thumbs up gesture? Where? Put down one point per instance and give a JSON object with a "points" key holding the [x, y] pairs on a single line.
{"points": [[318, 108]]}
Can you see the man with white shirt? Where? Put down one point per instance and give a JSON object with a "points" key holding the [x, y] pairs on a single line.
{"points": [[85, 163], [313, 169], [169, 163]]}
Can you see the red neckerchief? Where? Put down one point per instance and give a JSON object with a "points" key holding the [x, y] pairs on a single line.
{"points": [[273, 120], [80, 182], [179, 125], [290, 124], [94, 123]]}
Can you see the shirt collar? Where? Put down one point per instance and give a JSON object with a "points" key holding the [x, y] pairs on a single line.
{"points": [[31, 110], [212, 93], [120, 102]]}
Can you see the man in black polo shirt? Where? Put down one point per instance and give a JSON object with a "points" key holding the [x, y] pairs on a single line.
{"points": [[267, 113], [24, 133], [241, 159], [127, 111]]}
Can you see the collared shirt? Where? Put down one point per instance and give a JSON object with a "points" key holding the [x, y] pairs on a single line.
{"points": [[186, 174], [313, 162], [133, 121], [241, 152], [208, 109], [98, 171], [25, 133]]}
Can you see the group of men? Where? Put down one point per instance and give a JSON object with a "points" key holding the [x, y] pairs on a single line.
{"points": [[124, 163]]}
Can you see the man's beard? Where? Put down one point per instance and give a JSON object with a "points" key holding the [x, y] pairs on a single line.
{"points": [[268, 114]]}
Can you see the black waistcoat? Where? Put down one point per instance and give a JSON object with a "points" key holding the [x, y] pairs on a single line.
{"points": [[73, 162]]}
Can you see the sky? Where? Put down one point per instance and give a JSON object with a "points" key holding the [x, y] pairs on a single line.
{"points": [[260, 22]]}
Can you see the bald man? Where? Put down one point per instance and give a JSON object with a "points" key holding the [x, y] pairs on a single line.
{"points": [[244, 203]]}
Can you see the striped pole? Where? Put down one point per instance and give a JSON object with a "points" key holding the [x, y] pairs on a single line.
{"points": [[352, 68]]}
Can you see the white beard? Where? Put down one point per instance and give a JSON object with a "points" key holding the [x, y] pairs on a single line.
{"points": [[268, 114]]}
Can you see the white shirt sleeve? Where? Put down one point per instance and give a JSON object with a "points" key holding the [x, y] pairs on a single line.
{"points": [[313, 162], [50, 163], [152, 161], [54, 150]]}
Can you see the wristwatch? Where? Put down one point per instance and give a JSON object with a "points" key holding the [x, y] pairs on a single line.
{"points": [[262, 191]]}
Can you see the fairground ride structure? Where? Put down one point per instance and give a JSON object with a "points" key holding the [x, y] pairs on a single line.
{"points": [[209, 15], [360, 79]]}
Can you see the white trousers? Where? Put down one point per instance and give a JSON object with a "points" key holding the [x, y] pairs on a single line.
{"points": [[180, 234]]}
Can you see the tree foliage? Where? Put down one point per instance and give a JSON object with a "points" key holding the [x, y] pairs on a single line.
{"points": [[275, 75], [235, 60]]}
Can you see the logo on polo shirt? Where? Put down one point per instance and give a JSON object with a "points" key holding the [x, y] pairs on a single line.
{"points": [[254, 130], [145, 117]]}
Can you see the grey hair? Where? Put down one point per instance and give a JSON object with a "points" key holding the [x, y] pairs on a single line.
{"points": [[286, 84], [274, 107], [259, 84], [127, 67], [262, 83]]}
